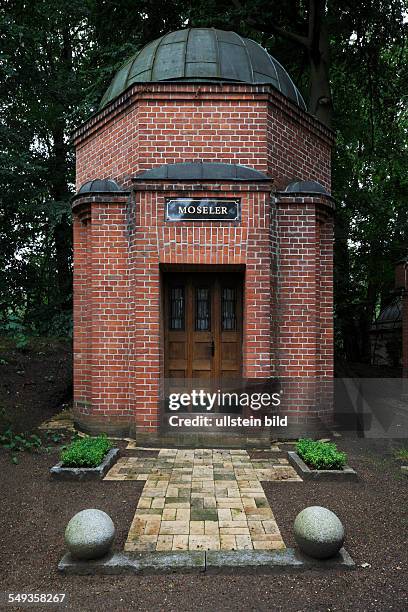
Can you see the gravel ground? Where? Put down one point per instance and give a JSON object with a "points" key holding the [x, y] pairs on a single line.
{"points": [[35, 510]]}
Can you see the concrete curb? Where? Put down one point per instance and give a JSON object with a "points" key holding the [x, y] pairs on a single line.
{"points": [[136, 563], [214, 562], [347, 474], [58, 472]]}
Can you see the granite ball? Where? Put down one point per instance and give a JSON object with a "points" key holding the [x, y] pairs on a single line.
{"points": [[318, 532], [89, 534]]}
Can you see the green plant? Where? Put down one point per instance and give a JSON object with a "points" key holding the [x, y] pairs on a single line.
{"points": [[321, 455], [19, 442], [86, 452], [14, 327], [401, 453], [54, 436]]}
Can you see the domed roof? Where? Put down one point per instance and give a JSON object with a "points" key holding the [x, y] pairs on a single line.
{"points": [[202, 54]]}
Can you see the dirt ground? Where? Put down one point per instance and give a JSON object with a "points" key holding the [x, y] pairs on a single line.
{"points": [[34, 382], [35, 511]]}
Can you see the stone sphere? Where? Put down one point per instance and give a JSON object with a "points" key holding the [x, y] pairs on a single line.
{"points": [[89, 534], [318, 532]]}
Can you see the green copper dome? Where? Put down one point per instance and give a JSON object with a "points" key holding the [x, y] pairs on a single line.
{"points": [[202, 54]]}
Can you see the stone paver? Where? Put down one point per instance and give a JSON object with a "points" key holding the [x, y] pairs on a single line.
{"points": [[203, 499]]}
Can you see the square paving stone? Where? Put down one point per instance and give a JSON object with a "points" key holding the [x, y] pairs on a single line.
{"points": [[206, 514], [174, 528], [204, 542]]}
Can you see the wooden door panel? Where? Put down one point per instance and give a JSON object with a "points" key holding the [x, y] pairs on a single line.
{"points": [[178, 350], [176, 373], [201, 374], [203, 326]]}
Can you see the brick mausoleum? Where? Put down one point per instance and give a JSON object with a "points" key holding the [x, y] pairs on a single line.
{"points": [[203, 234]]}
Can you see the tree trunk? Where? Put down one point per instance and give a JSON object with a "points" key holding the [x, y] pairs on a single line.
{"points": [[320, 99], [316, 45]]}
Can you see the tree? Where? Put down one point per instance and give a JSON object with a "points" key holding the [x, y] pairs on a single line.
{"points": [[57, 60], [40, 94], [357, 51], [313, 42]]}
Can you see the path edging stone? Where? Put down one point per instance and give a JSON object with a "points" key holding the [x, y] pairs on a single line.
{"points": [[214, 562], [136, 563], [59, 472], [346, 474]]}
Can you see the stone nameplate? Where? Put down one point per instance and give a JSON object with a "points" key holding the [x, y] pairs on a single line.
{"points": [[203, 209]]}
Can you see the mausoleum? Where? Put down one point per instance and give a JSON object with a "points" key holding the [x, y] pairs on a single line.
{"points": [[203, 235]]}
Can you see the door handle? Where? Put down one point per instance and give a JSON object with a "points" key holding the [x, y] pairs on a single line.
{"points": [[212, 348]]}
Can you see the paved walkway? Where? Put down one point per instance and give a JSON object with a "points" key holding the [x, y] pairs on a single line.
{"points": [[203, 500]]}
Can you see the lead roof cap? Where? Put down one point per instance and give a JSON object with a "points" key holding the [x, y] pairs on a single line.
{"points": [[203, 171], [306, 187], [199, 55], [99, 186]]}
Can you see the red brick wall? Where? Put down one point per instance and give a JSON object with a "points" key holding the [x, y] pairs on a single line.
{"points": [[168, 123], [305, 308], [156, 243], [286, 247], [101, 314], [296, 152], [82, 307]]}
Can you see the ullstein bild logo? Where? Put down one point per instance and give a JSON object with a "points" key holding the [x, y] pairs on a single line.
{"points": [[203, 209]]}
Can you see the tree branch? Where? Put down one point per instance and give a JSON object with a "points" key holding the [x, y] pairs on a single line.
{"points": [[273, 29]]}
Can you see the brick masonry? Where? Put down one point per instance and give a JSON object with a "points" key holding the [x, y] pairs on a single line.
{"points": [[122, 242]]}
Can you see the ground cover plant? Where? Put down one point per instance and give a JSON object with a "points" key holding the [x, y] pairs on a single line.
{"points": [[402, 454], [19, 442], [321, 455], [28, 442], [86, 452]]}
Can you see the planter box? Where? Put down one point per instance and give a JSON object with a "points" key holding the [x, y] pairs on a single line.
{"points": [[59, 472], [345, 475]]}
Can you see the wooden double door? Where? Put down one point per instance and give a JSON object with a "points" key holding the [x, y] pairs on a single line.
{"points": [[203, 326]]}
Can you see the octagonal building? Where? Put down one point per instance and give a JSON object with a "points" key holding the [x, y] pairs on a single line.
{"points": [[203, 241]]}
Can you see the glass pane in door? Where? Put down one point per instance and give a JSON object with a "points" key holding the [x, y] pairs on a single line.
{"points": [[228, 309], [202, 309], [177, 309]]}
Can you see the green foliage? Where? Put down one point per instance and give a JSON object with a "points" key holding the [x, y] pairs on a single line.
{"points": [[20, 442], [401, 454], [86, 452], [57, 59], [321, 455], [16, 443], [40, 324], [13, 327], [54, 436]]}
